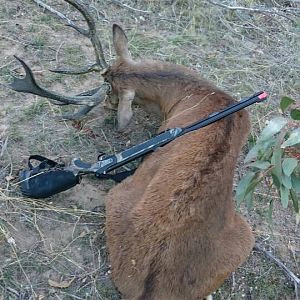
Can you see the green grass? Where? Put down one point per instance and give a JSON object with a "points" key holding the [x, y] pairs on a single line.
{"points": [[37, 108], [143, 45], [15, 134], [263, 281], [40, 41], [5, 75]]}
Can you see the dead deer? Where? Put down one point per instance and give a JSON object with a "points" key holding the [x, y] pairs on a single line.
{"points": [[172, 230]]}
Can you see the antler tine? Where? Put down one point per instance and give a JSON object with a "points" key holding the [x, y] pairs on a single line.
{"points": [[28, 85], [91, 33], [81, 112], [76, 116]]}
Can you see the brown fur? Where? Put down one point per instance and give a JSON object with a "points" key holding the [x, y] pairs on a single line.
{"points": [[172, 231]]}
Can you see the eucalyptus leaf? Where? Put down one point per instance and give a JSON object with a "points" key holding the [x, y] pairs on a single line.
{"points": [[260, 164], [252, 153], [254, 182], [293, 139], [284, 196], [295, 200], [295, 183], [242, 187], [289, 165], [276, 180], [276, 162], [274, 126], [259, 150], [285, 103], [286, 181], [295, 114], [249, 199]]}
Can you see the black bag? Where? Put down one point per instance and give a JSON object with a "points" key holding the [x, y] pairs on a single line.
{"points": [[47, 179]]}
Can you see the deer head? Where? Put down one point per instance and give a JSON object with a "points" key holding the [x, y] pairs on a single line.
{"points": [[116, 88], [121, 85]]}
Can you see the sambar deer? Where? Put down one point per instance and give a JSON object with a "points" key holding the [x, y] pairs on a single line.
{"points": [[172, 231]]}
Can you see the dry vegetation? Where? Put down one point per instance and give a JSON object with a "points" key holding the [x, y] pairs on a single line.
{"points": [[55, 249]]}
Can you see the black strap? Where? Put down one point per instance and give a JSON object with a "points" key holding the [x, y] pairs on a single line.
{"points": [[45, 163], [118, 177]]}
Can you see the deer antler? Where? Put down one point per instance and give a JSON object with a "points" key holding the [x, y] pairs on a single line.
{"points": [[91, 33], [88, 99]]}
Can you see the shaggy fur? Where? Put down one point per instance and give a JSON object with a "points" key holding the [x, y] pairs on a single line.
{"points": [[172, 231]]}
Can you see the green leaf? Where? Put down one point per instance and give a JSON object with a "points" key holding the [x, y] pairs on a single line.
{"points": [[285, 103], [252, 153], [259, 148], [243, 186], [284, 196], [286, 181], [274, 126], [295, 200], [251, 140], [253, 183], [249, 198], [293, 139], [276, 181], [295, 183], [276, 157], [295, 114], [260, 164], [276, 162], [289, 165]]}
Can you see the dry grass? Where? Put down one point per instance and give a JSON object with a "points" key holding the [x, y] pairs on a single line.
{"points": [[62, 239]]}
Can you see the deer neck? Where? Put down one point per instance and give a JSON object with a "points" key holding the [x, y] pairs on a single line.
{"points": [[160, 83]]}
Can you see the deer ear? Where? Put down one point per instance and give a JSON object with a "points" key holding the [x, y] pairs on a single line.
{"points": [[120, 42]]}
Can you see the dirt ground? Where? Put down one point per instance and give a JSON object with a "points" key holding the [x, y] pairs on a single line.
{"points": [[55, 248]]}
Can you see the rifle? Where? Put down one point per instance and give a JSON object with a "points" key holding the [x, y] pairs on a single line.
{"points": [[50, 177]]}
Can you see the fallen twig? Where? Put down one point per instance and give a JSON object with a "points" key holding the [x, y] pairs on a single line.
{"points": [[52, 10], [7, 64], [131, 8], [260, 10], [3, 147], [288, 272]]}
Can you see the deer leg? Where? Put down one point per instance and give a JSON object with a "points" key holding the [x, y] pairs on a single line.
{"points": [[124, 108]]}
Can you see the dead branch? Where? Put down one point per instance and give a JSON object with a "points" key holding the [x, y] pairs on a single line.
{"points": [[91, 33], [130, 8], [52, 10], [287, 271], [260, 10]]}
